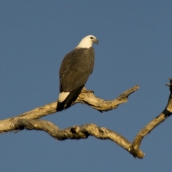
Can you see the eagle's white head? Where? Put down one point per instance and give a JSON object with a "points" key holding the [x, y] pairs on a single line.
{"points": [[87, 42]]}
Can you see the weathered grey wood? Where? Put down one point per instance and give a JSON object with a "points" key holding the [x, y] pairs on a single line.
{"points": [[30, 121]]}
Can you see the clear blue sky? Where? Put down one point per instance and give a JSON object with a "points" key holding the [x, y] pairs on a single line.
{"points": [[135, 47]]}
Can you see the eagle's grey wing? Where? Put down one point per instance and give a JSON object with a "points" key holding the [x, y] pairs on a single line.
{"points": [[76, 68]]}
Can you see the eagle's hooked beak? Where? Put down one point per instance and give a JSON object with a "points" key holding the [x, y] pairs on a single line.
{"points": [[96, 41]]}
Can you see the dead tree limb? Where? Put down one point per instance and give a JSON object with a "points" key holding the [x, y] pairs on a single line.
{"points": [[30, 121], [155, 122], [88, 97], [85, 97]]}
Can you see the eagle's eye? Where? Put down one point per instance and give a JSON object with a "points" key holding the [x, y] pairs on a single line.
{"points": [[91, 37]]}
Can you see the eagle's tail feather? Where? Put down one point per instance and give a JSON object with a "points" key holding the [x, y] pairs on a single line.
{"points": [[69, 99]]}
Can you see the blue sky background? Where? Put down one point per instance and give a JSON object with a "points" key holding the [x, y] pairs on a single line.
{"points": [[135, 47]]}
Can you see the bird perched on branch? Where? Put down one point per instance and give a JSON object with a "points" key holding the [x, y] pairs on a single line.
{"points": [[74, 71]]}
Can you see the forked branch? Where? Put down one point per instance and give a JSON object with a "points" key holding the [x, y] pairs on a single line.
{"points": [[29, 120]]}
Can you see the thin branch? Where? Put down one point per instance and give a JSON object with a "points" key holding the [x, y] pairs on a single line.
{"points": [[154, 123], [87, 97]]}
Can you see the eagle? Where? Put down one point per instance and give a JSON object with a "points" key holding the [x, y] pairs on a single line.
{"points": [[74, 71]]}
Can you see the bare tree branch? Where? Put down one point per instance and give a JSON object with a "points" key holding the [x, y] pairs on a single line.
{"points": [[76, 132], [155, 122], [85, 97], [30, 121]]}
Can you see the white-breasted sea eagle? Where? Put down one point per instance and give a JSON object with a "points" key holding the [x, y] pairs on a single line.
{"points": [[74, 71]]}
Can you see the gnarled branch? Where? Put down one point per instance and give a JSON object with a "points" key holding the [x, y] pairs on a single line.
{"points": [[85, 97], [76, 132], [155, 122], [30, 120]]}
